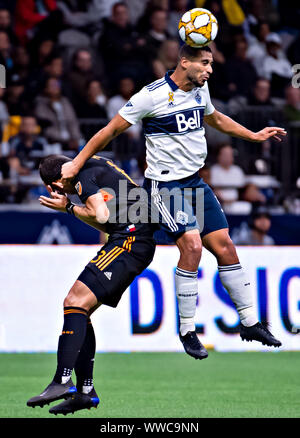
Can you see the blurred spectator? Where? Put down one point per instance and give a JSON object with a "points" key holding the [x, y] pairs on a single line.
{"points": [[27, 147], [57, 115], [36, 18], [29, 14], [6, 52], [21, 62], [144, 22], [240, 73], [42, 52], [128, 144], [257, 49], [230, 186], [289, 11], [217, 81], [227, 177], [4, 116], [257, 233], [52, 67], [157, 32], [14, 96], [85, 16], [260, 95], [293, 52], [120, 46], [93, 107], [126, 89], [251, 193], [214, 137], [178, 8], [81, 73], [292, 105], [276, 67], [136, 9], [167, 58], [6, 25]]}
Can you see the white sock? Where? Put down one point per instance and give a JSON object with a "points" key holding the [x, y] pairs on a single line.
{"points": [[186, 284], [238, 286], [87, 386]]}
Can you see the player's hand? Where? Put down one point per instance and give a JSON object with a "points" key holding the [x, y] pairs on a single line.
{"points": [[69, 170], [57, 201], [273, 131]]}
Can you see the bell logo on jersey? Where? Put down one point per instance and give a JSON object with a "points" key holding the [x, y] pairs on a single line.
{"points": [[191, 123]]}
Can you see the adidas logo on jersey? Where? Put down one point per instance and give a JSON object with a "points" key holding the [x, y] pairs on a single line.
{"points": [[193, 122], [108, 275]]}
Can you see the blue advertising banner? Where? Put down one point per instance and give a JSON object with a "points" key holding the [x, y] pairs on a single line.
{"points": [[22, 227]]}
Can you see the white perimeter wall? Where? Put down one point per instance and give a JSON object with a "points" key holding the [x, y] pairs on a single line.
{"points": [[35, 279]]}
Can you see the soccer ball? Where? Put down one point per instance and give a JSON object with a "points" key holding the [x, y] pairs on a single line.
{"points": [[198, 27]]}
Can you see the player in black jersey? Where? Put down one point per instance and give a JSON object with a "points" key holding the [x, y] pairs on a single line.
{"points": [[103, 188]]}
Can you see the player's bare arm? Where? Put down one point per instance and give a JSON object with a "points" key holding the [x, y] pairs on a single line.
{"points": [[115, 127], [225, 124], [94, 213]]}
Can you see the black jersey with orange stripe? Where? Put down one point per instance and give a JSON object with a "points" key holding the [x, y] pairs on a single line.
{"points": [[120, 192]]}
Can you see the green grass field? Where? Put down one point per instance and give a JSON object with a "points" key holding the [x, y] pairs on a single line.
{"points": [[168, 385]]}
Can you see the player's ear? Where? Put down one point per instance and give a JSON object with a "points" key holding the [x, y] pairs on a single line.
{"points": [[57, 185], [184, 62]]}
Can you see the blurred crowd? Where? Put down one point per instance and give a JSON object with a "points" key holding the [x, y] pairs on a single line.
{"points": [[70, 65]]}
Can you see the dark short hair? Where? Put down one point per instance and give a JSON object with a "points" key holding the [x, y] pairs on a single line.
{"points": [[50, 168], [192, 52]]}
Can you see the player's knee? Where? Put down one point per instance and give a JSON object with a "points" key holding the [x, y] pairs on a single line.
{"points": [[73, 300], [226, 248], [191, 249]]}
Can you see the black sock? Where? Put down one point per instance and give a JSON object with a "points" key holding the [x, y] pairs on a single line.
{"points": [[85, 361], [70, 342]]}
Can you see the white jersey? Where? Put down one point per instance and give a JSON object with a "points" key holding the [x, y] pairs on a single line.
{"points": [[173, 127]]}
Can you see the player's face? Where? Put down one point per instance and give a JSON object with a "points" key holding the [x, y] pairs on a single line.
{"points": [[199, 70], [63, 187]]}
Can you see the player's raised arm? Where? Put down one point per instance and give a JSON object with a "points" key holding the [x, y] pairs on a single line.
{"points": [[98, 142], [225, 124]]}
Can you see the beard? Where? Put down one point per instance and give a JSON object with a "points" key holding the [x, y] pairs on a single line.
{"points": [[195, 81]]}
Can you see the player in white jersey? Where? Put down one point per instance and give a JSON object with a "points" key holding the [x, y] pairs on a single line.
{"points": [[173, 110]]}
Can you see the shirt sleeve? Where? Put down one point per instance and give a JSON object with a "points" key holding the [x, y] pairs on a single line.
{"points": [[209, 108], [139, 105], [85, 185]]}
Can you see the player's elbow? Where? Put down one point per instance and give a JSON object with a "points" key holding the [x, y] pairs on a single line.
{"points": [[102, 214]]}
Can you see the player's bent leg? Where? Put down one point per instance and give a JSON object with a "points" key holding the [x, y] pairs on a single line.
{"points": [[81, 296], [76, 306], [235, 281], [186, 284], [86, 396]]}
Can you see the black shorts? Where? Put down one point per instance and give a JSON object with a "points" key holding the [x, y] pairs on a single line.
{"points": [[116, 265]]}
